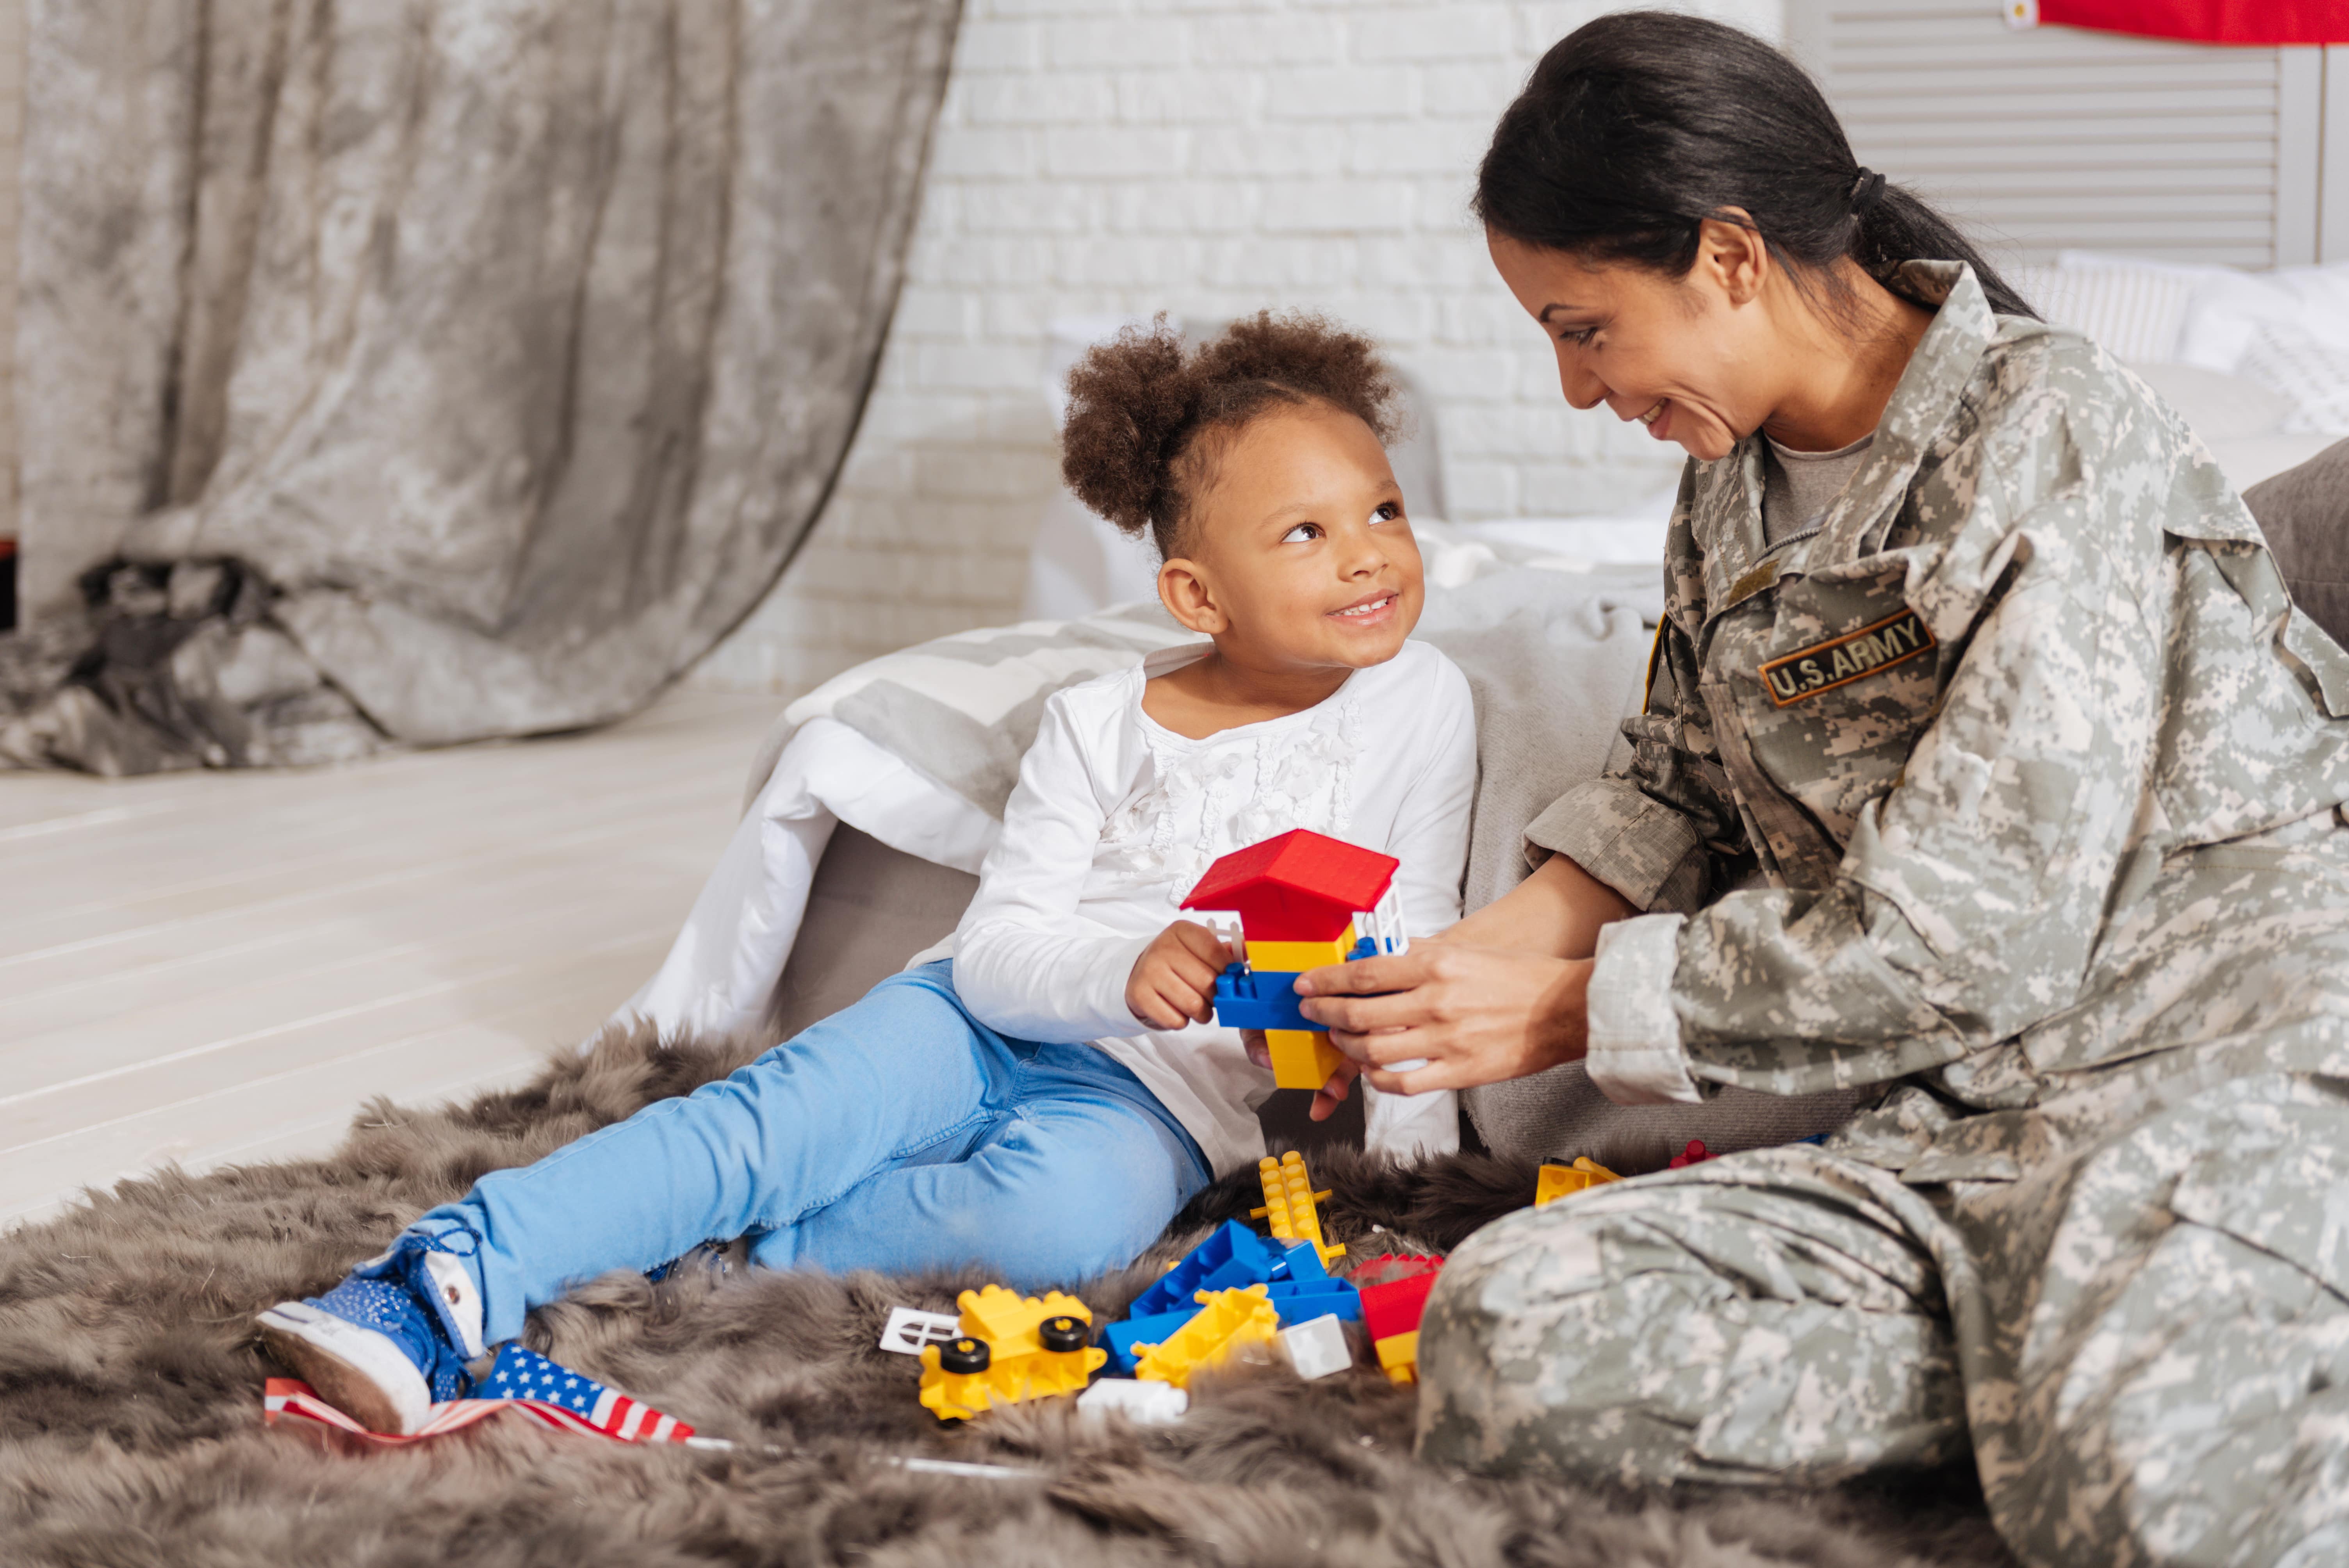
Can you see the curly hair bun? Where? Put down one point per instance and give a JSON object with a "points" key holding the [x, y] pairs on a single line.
{"points": [[1139, 406]]}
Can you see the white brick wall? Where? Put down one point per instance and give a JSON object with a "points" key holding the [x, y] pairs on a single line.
{"points": [[1207, 157]]}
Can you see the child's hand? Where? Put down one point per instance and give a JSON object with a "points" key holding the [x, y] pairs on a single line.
{"points": [[1328, 1097], [1173, 981]]}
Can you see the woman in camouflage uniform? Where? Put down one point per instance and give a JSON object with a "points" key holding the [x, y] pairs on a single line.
{"points": [[2010, 781]]}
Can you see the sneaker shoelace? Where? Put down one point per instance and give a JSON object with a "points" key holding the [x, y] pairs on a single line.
{"points": [[402, 1303], [389, 1307]]}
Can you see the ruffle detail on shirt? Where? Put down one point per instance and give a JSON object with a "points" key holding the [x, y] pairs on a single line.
{"points": [[1200, 804]]}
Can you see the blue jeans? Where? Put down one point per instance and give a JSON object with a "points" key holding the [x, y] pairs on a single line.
{"points": [[901, 1134]]}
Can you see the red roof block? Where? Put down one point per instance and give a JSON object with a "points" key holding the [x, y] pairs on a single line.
{"points": [[1301, 886], [1396, 1306]]}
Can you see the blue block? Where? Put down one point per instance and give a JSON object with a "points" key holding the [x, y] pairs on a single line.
{"points": [[1260, 999], [1232, 1258], [1123, 1341], [1365, 947], [1302, 1301], [1304, 1263]]}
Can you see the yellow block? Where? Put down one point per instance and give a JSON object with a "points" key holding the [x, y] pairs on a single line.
{"points": [[1021, 1368], [1555, 1182], [1285, 957], [1288, 1203], [1007, 1320], [959, 1396], [1399, 1354], [1228, 1319], [1301, 1058]]}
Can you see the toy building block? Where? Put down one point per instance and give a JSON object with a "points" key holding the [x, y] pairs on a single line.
{"points": [[1296, 896], [1145, 1404], [1555, 1182], [1301, 1301], [1011, 1323], [1390, 1267], [1228, 1322], [1294, 1301], [1316, 1347], [1303, 1260], [1391, 1315], [1301, 886], [1301, 1058], [1249, 998], [1299, 957], [1013, 1347], [909, 1328], [1695, 1155], [1126, 1341], [1233, 1256], [1396, 1306], [1399, 1357], [1289, 1199]]}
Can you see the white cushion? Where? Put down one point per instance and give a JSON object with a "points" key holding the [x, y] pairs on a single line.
{"points": [[2231, 306], [2309, 371], [2221, 407], [2134, 311], [2245, 423]]}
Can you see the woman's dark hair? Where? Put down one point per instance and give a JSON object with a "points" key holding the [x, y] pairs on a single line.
{"points": [[1638, 125], [1146, 418]]}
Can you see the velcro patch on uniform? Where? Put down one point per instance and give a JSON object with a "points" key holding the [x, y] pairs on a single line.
{"points": [[1842, 660]]}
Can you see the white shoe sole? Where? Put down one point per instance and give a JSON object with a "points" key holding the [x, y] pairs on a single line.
{"points": [[357, 1371]]}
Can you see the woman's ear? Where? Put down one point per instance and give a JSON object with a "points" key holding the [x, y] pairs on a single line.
{"points": [[1182, 589], [1734, 256]]}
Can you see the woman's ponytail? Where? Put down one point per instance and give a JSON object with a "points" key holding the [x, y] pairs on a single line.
{"points": [[1638, 127], [1900, 226]]}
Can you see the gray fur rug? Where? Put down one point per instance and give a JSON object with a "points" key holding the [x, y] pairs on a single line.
{"points": [[131, 1430]]}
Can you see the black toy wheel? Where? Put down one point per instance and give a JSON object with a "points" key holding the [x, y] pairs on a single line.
{"points": [[1064, 1333], [964, 1355]]}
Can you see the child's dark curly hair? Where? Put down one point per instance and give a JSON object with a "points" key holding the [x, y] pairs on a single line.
{"points": [[1145, 420]]}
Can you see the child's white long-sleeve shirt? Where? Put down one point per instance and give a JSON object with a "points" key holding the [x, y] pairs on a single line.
{"points": [[1116, 817]]}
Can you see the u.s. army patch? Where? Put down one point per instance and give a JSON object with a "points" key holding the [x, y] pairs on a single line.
{"points": [[1840, 660]]}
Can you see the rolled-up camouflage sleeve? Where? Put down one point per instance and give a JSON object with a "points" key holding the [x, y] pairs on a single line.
{"points": [[1972, 895], [1653, 831]]}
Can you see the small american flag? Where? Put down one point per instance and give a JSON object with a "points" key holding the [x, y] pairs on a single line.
{"points": [[520, 1380], [562, 1397]]}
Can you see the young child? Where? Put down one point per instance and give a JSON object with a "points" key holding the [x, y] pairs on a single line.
{"points": [[1041, 1102]]}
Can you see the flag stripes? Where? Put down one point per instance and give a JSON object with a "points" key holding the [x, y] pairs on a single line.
{"points": [[521, 1380]]}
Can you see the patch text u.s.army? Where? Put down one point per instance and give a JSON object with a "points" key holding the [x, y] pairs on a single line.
{"points": [[1808, 672]]}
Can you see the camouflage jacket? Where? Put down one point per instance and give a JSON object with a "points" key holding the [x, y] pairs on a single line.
{"points": [[1895, 777]]}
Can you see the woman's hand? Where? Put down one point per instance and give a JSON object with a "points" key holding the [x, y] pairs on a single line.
{"points": [[1173, 982], [1468, 1015], [1328, 1097]]}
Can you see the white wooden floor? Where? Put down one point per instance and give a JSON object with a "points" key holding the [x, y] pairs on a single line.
{"points": [[213, 967]]}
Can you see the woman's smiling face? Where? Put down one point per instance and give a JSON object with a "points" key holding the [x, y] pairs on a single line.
{"points": [[1689, 356]]}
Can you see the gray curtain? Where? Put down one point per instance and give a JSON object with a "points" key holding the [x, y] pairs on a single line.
{"points": [[408, 372]]}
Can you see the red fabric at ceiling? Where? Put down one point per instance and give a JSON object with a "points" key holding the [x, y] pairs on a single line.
{"points": [[2208, 21]]}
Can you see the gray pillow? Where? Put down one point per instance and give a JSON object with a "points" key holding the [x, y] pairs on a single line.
{"points": [[2304, 512]]}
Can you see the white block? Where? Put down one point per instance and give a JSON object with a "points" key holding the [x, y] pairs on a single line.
{"points": [[1318, 1348], [1152, 1404]]}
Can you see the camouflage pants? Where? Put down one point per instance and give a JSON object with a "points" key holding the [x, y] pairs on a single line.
{"points": [[2147, 1346], [2126, 1291]]}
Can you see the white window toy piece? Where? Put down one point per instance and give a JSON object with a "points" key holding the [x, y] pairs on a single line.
{"points": [[908, 1329], [1383, 927]]}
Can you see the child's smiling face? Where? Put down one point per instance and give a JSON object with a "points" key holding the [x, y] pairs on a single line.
{"points": [[1298, 553]]}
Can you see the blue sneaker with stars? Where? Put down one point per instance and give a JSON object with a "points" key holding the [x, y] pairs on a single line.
{"points": [[392, 1340]]}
